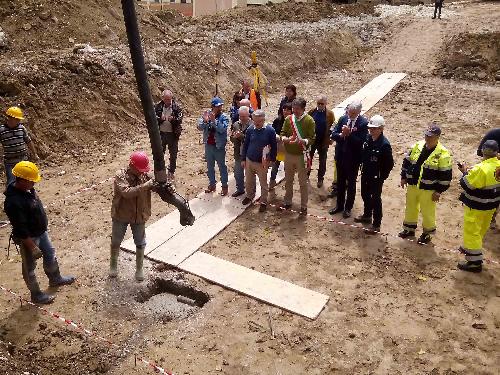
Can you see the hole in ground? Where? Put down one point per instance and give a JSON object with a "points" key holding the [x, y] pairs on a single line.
{"points": [[168, 299]]}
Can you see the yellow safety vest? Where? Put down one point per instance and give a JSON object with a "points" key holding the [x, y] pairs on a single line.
{"points": [[435, 173], [482, 185]]}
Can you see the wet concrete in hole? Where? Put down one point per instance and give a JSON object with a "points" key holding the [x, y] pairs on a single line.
{"points": [[159, 299]]}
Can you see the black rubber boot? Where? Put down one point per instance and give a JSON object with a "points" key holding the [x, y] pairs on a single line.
{"points": [[468, 266], [41, 298], [406, 234], [55, 278], [424, 239]]}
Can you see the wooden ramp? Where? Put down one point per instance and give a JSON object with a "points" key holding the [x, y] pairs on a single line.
{"points": [[371, 93], [263, 287], [170, 243]]}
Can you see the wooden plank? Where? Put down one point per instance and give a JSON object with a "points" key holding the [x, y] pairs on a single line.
{"points": [[371, 93], [167, 227], [263, 287], [190, 239], [222, 212]]}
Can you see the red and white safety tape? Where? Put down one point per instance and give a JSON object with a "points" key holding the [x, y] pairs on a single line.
{"points": [[359, 227], [79, 327]]}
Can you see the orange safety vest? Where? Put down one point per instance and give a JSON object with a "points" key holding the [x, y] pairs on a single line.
{"points": [[253, 100]]}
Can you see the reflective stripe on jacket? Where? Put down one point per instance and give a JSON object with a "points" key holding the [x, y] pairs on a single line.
{"points": [[435, 173], [482, 185]]}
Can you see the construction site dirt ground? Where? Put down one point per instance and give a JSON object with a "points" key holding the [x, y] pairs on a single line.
{"points": [[395, 307]]}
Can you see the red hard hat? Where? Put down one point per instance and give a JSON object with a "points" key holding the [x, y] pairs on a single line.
{"points": [[140, 161]]}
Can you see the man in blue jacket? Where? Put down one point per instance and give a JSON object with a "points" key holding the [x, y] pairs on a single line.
{"points": [[258, 151], [214, 124], [349, 134]]}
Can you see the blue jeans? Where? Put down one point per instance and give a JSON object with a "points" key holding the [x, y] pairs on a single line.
{"points": [[8, 173], [214, 154], [239, 175], [274, 170], [118, 233], [29, 262]]}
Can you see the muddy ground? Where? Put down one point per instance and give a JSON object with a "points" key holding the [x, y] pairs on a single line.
{"points": [[394, 307]]}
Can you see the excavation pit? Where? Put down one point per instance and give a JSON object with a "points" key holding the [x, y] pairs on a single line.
{"points": [[167, 300]]}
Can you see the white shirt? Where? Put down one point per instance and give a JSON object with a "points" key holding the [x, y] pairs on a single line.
{"points": [[166, 126]]}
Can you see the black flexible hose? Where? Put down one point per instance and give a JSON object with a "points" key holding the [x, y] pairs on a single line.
{"points": [[134, 41]]}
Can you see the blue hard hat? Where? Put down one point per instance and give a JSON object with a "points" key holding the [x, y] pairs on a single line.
{"points": [[216, 102]]}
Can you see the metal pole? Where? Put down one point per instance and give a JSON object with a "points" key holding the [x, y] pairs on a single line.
{"points": [[134, 41]]}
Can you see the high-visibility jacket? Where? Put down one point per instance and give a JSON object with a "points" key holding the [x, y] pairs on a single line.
{"points": [[254, 100], [435, 173], [482, 185]]}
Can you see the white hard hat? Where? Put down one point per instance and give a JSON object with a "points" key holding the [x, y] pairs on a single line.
{"points": [[376, 121]]}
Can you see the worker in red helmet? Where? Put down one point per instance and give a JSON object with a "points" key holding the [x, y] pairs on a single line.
{"points": [[131, 206]]}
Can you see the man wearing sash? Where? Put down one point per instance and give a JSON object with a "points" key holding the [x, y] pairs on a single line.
{"points": [[298, 135]]}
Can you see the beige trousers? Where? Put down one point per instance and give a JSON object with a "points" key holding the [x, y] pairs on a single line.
{"points": [[295, 164], [251, 170]]}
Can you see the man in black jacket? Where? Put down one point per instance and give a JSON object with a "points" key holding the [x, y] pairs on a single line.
{"points": [[29, 229], [375, 168], [349, 134], [169, 115]]}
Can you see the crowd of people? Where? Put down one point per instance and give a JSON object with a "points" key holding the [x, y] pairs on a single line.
{"points": [[292, 138]]}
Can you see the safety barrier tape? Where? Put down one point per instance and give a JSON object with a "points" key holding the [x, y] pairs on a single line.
{"points": [[79, 327], [359, 227], [96, 185]]}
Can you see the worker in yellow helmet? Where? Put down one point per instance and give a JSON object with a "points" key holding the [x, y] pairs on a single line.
{"points": [[29, 229], [481, 197], [15, 142]]}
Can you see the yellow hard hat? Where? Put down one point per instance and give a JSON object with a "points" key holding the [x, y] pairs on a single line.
{"points": [[15, 112], [27, 170]]}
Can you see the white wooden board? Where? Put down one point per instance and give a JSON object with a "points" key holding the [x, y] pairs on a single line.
{"points": [[222, 212], [371, 93], [168, 227], [263, 287]]}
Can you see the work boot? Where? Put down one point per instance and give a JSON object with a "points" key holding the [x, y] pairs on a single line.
{"points": [[210, 189], [246, 201], [54, 275], [113, 262], [139, 260], [363, 219], [373, 229], [406, 233], [286, 206], [237, 193], [335, 210], [469, 266], [424, 239], [41, 298]]}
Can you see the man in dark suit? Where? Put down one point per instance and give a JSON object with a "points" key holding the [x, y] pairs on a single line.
{"points": [[349, 134]]}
